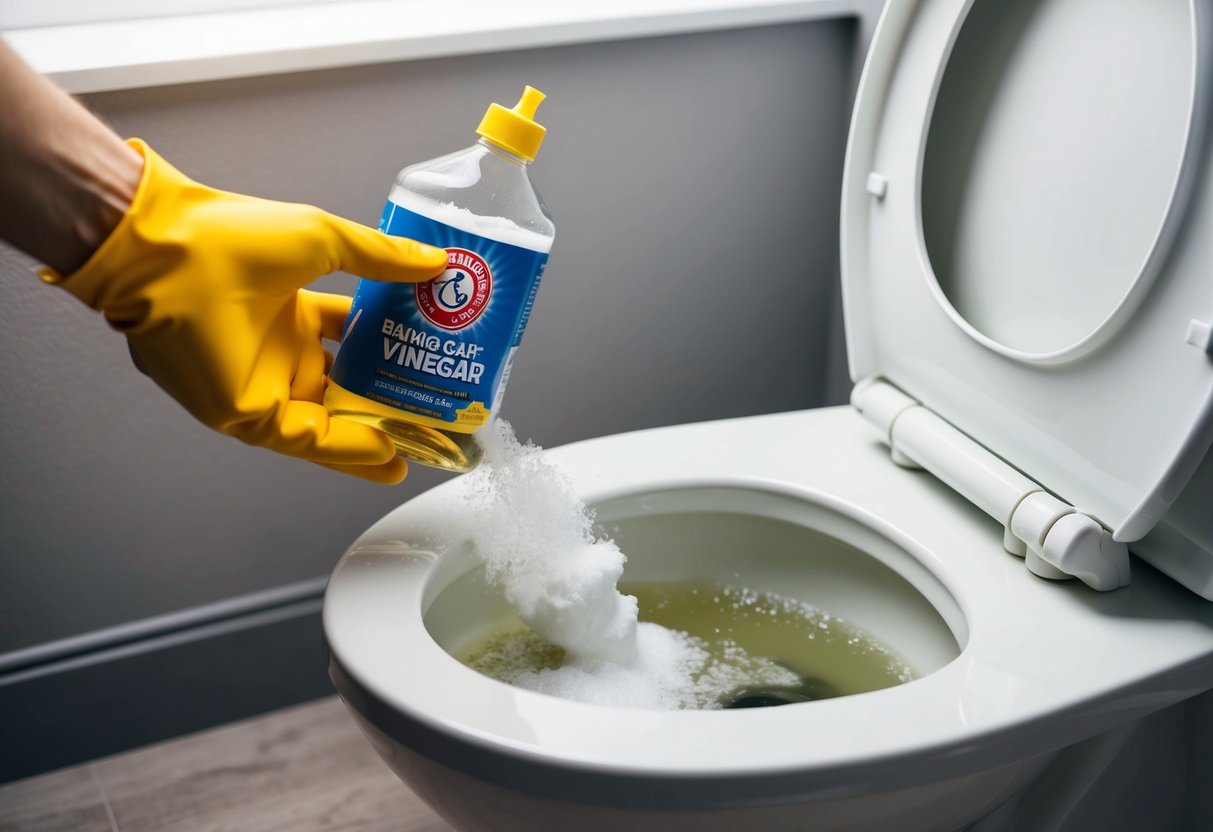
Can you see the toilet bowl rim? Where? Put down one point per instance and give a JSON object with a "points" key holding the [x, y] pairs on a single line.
{"points": [[835, 450], [945, 681]]}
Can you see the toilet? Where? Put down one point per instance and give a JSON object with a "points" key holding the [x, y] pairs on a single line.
{"points": [[1019, 499]]}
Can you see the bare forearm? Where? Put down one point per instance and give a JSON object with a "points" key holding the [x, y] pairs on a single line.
{"points": [[65, 178]]}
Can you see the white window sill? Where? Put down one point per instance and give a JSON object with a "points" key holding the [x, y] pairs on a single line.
{"points": [[151, 52]]}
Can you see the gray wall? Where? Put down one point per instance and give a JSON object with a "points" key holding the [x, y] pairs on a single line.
{"points": [[694, 181], [156, 578]]}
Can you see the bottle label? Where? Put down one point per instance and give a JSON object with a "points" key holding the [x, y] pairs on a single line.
{"points": [[440, 350]]}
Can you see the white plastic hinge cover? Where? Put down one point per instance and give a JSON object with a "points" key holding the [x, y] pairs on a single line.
{"points": [[1200, 335], [1055, 539], [880, 403], [1035, 515], [877, 185], [1041, 568], [1029, 526], [1063, 542], [1013, 544], [1079, 546]]}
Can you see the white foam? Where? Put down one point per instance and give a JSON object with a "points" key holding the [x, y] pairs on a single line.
{"points": [[536, 538], [501, 229]]}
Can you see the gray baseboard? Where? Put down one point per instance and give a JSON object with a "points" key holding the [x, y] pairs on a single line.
{"points": [[79, 699]]}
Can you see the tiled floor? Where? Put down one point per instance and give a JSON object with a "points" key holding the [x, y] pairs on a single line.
{"points": [[306, 769]]}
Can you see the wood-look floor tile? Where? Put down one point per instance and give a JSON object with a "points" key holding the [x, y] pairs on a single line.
{"points": [[63, 801], [307, 769]]}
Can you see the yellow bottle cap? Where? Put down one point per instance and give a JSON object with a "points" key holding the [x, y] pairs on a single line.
{"points": [[515, 130]]}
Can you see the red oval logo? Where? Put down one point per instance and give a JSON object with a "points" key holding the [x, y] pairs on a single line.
{"points": [[458, 296]]}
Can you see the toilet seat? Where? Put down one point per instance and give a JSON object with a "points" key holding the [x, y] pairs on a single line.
{"points": [[1045, 412]]}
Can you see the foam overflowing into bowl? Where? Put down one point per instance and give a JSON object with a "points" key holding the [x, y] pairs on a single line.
{"points": [[538, 543], [536, 538]]}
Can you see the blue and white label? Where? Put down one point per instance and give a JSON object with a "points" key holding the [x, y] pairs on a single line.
{"points": [[440, 350]]}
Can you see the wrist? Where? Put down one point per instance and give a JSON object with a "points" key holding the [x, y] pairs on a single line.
{"points": [[67, 179], [95, 183]]}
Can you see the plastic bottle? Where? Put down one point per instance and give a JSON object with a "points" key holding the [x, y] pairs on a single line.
{"points": [[428, 363]]}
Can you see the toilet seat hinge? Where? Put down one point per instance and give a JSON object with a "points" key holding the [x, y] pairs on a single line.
{"points": [[1056, 540]]}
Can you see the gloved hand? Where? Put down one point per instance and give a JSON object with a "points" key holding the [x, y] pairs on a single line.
{"points": [[206, 286]]}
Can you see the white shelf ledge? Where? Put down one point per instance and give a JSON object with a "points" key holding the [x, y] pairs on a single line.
{"points": [[124, 54]]}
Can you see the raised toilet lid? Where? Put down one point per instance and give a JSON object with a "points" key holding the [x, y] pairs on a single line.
{"points": [[1027, 237]]}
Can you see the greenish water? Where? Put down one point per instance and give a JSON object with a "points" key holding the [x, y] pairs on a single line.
{"points": [[741, 629]]}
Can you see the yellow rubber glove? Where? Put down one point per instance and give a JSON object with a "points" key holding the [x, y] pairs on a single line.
{"points": [[206, 286]]}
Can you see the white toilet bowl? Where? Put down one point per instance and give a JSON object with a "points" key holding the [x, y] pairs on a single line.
{"points": [[1028, 289], [1015, 668]]}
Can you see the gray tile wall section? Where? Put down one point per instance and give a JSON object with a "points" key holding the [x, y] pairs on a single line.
{"points": [[694, 181]]}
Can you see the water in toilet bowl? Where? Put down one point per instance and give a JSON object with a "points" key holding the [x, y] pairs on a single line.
{"points": [[579, 637], [728, 647]]}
